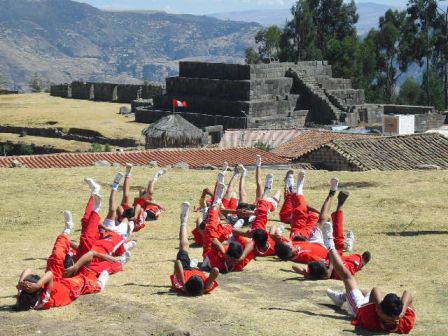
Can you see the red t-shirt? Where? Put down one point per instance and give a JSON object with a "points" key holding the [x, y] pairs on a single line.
{"points": [[110, 243], [68, 290], [367, 318], [178, 286], [309, 252], [352, 262], [217, 259]]}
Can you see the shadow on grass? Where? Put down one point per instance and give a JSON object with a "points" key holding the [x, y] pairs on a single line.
{"points": [[33, 259], [145, 285], [309, 313], [8, 308], [415, 233]]}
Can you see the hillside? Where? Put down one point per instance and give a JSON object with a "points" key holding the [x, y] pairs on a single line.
{"points": [[63, 40]]}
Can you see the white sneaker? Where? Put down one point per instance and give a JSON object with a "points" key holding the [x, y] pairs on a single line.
{"points": [[334, 182], [117, 180], [290, 183], [225, 166], [95, 188], [268, 184], [239, 223], [338, 298], [130, 245], [125, 257], [160, 173], [103, 278], [350, 240], [68, 220], [129, 167], [242, 170], [185, 209], [252, 219]]}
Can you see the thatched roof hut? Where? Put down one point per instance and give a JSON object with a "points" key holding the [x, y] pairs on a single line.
{"points": [[172, 131]]}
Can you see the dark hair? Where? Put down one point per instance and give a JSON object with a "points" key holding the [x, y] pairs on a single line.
{"points": [[150, 215], [235, 250], [284, 251], [202, 225], [317, 270], [69, 261], [260, 237], [129, 213], [391, 305], [194, 286], [245, 206], [25, 300]]}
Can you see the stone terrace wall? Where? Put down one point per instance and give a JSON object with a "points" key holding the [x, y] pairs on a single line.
{"points": [[122, 93]]}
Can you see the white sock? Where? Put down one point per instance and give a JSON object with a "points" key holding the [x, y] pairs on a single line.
{"points": [[300, 182], [102, 279], [159, 174], [68, 220], [268, 184], [225, 166], [258, 162], [184, 213], [97, 204], [334, 184]]}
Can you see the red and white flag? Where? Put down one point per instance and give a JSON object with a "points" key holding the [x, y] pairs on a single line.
{"points": [[179, 103]]}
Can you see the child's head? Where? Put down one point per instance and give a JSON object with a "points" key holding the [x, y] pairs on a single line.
{"points": [[284, 251], [25, 300], [317, 270], [392, 305], [150, 215], [260, 237], [194, 286], [235, 250], [129, 213]]}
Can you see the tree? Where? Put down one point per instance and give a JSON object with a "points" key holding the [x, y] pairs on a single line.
{"points": [[410, 93], [252, 57], [392, 54], [268, 41], [434, 88], [299, 39], [36, 83]]}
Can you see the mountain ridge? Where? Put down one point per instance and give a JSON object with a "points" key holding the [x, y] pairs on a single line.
{"points": [[63, 40]]}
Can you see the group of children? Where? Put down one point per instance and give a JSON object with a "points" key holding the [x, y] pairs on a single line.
{"points": [[232, 232]]}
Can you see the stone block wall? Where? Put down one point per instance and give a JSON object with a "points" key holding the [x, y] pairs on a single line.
{"points": [[60, 90], [349, 96], [425, 122], [105, 91], [80, 90], [122, 93], [214, 70], [327, 158], [407, 109]]}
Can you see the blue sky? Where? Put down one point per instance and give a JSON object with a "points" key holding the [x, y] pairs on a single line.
{"points": [[209, 6]]}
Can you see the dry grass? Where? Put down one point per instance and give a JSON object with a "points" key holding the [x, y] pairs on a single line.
{"points": [[399, 216], [42, 111], [58, 144]]}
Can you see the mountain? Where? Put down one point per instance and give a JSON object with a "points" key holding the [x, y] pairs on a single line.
{"points": [[369, 14], [63, 40]]}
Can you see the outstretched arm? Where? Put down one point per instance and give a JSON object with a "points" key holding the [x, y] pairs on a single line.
{"points": [[301, 269], [87, 259]]}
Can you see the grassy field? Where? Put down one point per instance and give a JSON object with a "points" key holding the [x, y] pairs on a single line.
{"points": [[40, 110], [58, 144], [400, 217]]}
